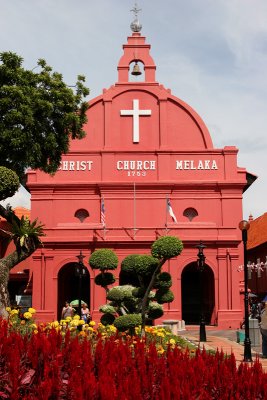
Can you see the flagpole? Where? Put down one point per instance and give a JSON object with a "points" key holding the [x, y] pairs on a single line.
{"points": [[134, 213], [166, 203], [103, 216]]}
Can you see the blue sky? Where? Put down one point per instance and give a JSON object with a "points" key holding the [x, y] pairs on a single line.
{"points": [[211, 54]]}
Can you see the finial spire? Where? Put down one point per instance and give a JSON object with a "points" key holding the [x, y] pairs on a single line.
{"points": [[135, 25]]}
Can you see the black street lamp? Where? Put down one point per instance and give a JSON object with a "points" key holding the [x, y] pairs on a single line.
{"points": [[201, 266], [244, 227], [80, 271]]}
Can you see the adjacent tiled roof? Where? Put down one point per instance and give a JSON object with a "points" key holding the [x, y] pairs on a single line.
{"points": [[19, 211], [257, 233]]}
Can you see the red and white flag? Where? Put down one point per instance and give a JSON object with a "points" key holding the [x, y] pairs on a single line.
{"points": [[170, 211], [102, 215]]}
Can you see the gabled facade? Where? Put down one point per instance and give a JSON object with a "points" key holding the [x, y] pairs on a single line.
{"points": [[143, 146]]}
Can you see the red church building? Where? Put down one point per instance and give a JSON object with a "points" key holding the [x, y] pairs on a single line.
{"points": [[144, 149]]}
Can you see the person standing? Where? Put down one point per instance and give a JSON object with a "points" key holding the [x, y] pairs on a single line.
{"points": [[263, 330], [67, 311], [85, 313]]}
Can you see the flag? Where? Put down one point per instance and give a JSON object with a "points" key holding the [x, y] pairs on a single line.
{"points": [[102, 216], [170, 210]]}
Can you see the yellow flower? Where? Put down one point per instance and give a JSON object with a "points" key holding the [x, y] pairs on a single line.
{"points": [[14, 312], [172, 341], [81, 322], [160, 334], [8, 309], [34, 326], [160, 350], [55, 324], [68, 319], [27, 315], [90, 329], [82, 333], [32, 310], [92, 323], [35, 331], [76, 317]]}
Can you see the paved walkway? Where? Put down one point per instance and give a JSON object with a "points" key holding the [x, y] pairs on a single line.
{"points": [[225, 341]]}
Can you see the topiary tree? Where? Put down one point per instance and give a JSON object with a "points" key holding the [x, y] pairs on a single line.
{"points": [[162, 249], [145, 287], [104, 260]]}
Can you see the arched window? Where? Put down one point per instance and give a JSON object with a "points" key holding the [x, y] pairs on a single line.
{"points": [[190, 213], [81, 214], [136, 71]]}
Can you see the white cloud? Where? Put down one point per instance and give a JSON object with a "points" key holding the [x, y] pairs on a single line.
{"points": [[20, 199]]}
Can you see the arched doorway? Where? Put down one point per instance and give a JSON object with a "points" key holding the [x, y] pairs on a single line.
{"points": [[191, 292], [68, 286]]}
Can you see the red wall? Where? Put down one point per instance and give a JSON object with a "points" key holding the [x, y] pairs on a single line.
{"points": [[173, 158]]}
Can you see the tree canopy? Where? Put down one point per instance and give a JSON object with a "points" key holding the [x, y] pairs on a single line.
{"points": [[39, 114]]}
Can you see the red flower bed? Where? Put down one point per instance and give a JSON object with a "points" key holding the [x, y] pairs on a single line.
{"points": [[47, 367]]}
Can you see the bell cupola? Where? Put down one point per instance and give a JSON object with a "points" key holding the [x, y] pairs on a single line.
{"points": [[136, 60]]}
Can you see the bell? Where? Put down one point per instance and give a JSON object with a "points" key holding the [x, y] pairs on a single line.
{"points": [[136, 70]]}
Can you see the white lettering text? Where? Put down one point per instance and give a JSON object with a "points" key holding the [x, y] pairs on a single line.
{"points": [[196, 164], [76, 165]]}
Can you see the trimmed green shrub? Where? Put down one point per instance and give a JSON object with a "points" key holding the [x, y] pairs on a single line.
{"points": [[128, 321], [128, 265], [120, 293], [163, 281], [164, 296], [103, 259], [145, 265], [107, 309], [104, 279], [164, 276], [166, 247], [107, 319], [9, 183], [155, 310]]}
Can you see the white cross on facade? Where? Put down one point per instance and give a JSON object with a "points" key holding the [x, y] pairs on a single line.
{"points": [[135, 113]]}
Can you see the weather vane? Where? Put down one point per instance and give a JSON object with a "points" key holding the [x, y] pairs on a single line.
{"points": [[135, 25], [136, 10]]}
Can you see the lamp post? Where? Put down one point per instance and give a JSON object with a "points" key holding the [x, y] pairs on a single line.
{"points": [[201, 266], [244, 227], [80, 271]]}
